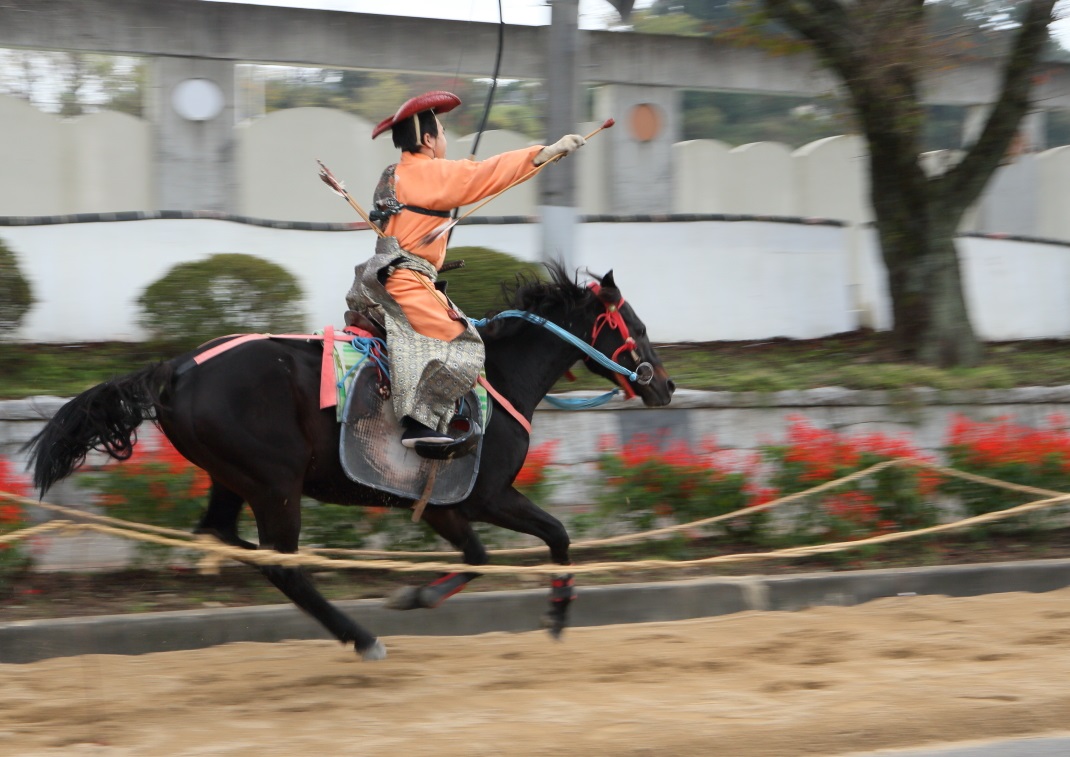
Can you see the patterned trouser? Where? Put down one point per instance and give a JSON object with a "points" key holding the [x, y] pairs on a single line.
{"points": [[427, 375]]}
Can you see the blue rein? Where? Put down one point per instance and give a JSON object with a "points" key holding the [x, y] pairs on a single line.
{"points": [[591, 352]]}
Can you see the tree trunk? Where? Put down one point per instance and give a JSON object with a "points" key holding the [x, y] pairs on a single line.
{"points": [[916, 230], [932, 324], [879, 51]]}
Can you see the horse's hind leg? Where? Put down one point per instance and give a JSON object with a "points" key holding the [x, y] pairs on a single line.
{"points": [[518, 513], [221, 517], [278, 521], [455, 528]]}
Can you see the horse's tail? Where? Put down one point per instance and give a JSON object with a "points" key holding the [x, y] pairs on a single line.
{"points": [[104, 418]]}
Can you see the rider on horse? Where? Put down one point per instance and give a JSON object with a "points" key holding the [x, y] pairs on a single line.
{"points": [[435, 353]]}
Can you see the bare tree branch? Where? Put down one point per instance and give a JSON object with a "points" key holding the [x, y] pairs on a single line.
{"points": [[965, 182], [824, 23]]}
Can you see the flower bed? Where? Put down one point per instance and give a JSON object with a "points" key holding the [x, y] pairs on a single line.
{"points": [[650, 482]]}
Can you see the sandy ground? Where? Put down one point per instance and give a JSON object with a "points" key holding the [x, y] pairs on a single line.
{"points": [[892, 673]]}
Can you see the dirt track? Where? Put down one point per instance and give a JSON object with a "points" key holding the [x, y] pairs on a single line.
{"points": [[897, 672]]}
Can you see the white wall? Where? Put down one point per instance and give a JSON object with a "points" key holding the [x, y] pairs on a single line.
{"points": [[698, 281], [1013, 289], [690, 281]]}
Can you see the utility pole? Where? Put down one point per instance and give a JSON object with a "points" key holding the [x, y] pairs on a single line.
{"points": [[557, 190]]}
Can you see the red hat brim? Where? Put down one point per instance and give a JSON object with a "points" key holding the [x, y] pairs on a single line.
{"points": [[438, 102]]}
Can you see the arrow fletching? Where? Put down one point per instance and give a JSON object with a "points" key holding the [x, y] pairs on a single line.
{"points": [[437, 232], [336, 186]]}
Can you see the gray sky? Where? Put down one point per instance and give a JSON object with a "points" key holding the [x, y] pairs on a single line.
{"points": [[594, 14]]}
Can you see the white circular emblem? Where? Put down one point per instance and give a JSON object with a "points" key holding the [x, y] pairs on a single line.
{"points": [[197, 99]]}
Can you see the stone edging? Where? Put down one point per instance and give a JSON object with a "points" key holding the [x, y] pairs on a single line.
{"points": [[36, 408]]}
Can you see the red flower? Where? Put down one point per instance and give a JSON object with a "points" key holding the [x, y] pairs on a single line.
{"points": [[10, 482], [533, 471], [1001, 441]]}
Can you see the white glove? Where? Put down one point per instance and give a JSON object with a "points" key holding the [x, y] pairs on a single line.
{"points": [[567, 145]]}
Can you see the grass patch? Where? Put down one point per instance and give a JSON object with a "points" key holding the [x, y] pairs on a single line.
{"points": [[856, 360], [64, 370]]}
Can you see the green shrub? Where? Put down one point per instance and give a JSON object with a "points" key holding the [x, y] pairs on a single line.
{"points": [[15, 294], [225, 294], [477, 288]]}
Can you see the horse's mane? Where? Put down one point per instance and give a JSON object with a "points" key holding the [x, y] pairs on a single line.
{"points": [[560, 295]]}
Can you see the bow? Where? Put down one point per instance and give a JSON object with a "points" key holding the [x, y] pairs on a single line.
{"points": [[493, 82], [490, 99]]}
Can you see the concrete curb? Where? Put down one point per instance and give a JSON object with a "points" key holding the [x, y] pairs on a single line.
{"points": [[512, 611]]}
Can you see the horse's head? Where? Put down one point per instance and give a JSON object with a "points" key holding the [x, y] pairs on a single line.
{"points": [[620, 335]]}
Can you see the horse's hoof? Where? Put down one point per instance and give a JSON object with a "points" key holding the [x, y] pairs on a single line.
{"points": [[405, 598], [553, 624], [376, 651]]}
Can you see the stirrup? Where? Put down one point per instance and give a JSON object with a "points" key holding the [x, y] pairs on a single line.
{"points": [[462, 445]]}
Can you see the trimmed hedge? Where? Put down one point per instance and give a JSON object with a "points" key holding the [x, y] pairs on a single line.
{"points": [[228, 293], [16, 297], [477, 288]]}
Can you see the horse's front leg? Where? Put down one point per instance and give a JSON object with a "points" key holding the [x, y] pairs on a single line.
{"points": [[278, 521], [518, 513], [454, 527]]}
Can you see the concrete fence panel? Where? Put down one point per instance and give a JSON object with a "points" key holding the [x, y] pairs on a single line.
{"points": [[702, 180], [832, 179], [518, 201], [104, 163], [1053, 222], [111, 163], [278, 177], [1009, 203], [34, 165], [764, 180]]}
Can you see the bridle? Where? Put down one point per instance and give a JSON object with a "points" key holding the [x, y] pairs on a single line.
{"points": [[613, 320]]}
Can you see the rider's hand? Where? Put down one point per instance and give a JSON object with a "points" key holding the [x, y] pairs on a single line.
{"points": [[567, 145]]}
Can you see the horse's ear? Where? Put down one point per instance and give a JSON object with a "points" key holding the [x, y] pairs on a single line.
{"points": [[607, 280]]}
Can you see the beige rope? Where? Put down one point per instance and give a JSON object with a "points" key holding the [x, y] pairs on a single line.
{"points": [[621, 539], [219, 550], [75, 513]]}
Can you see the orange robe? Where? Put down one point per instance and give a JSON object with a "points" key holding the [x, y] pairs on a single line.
{"points": [[441, 185]]}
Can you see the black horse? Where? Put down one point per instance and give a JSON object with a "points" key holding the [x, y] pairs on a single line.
{"points": [[251, 418]]}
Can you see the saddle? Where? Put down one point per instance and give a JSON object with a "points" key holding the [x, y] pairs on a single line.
{"points": [[365, 322], [370, 446], [466, 430]]}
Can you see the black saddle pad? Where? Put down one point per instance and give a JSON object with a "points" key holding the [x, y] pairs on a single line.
{"points": [[372, 454]]}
